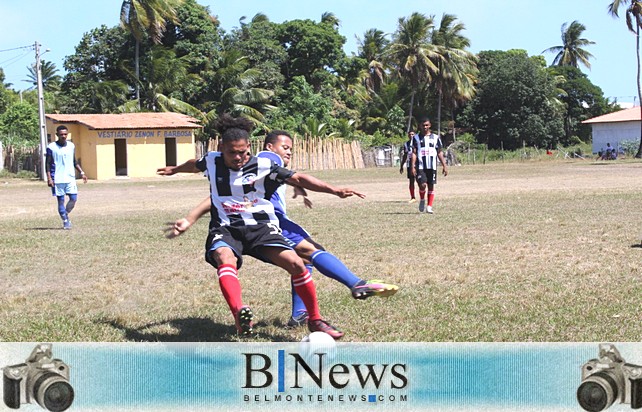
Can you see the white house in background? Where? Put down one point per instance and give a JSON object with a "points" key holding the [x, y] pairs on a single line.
{"points": [[615, 128]]}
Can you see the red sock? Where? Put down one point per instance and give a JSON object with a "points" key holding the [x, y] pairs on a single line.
{"points": [[412, 191], [431, 197], [230, 287], [304, 287], [422, 194]]}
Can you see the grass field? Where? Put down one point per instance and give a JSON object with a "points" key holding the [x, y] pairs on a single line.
{"points": [[541, 251]]}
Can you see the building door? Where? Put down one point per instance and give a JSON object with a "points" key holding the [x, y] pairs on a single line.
{"points": [[170, 151], [120, 145]]}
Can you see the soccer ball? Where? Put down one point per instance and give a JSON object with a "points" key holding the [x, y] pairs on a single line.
{"points": [[317, 343]]}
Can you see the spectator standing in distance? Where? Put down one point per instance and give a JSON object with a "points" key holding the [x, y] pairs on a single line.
{"points": [[61, 169], [427, 148]]}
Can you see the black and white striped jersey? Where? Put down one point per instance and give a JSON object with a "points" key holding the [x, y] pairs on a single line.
{"points": [[427, 148], [242, 197]]}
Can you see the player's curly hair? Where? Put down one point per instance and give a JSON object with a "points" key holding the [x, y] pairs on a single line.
{"points": [[233, 128]]}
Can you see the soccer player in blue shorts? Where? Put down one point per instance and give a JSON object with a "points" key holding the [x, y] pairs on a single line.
{"points": [[243, 221], [278, 147], [61, 169]]}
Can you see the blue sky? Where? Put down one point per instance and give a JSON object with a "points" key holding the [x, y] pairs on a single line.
{"points": [[490, 25]]}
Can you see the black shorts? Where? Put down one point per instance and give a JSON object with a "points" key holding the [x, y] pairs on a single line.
{"points": [[244, 240], [426, 176], [409, 172]]}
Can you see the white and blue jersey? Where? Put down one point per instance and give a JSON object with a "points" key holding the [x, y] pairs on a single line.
{"points": [[241, 197], [290, 230], [62, 162]]}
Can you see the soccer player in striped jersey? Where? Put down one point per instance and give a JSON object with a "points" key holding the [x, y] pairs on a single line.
{"points": [[61, 169], [427, 148], [406, 160], [278, 147], [244, 221]]}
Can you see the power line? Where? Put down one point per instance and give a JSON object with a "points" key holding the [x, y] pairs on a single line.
{"points": [[18, 48]]}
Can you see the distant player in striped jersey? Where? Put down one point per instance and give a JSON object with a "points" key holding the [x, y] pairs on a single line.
{"points": [[406, 160], [61, 169], [427, 148], [244, 221], [278, 147]]}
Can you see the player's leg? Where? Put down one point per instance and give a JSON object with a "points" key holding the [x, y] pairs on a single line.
{"points": [[303, 285], [422, 181], [60, 198], [71, 203], [225, 259], [432, 179], [411, 185]]}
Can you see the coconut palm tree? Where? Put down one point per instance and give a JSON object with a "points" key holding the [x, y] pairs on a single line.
{"points": [[50, 79], [331, 19], [372, 49], [413, 55], [147, 18], [457, 74], [633, 22], [571, 52]]}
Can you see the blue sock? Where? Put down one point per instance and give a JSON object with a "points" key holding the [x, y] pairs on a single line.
{"points": [[332, 267], [71, 203], [297, 303], [61, 207]]}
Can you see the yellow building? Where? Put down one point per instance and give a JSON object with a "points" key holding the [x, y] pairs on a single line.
{"points": [[128, 145]]}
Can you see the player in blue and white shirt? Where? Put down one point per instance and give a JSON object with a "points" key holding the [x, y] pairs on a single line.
{"points": [[427, 148], [244, 221], [61, 169]]}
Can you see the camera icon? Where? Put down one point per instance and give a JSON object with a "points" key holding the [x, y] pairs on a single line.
{"points": [[608, 379], [41, 379]]}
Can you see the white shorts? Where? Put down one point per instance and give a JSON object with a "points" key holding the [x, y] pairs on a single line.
{"points": [[61, 189]]}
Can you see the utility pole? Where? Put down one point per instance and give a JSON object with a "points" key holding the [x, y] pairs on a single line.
{"points": [[41, 114]]}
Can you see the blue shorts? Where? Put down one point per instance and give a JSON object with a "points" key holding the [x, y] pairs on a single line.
{"points": [[61, 189], [291, 231]]}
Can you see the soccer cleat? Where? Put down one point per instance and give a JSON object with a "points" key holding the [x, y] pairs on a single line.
{"points": [[429, 210], [244, 322], [66, 224], [373, 288], [299, 320], [320, 325], [422, 205], [413, 200]]}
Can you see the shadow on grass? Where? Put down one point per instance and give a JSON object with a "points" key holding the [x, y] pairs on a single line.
{"points": [[636, 246], [192, 330], [43, 228]]}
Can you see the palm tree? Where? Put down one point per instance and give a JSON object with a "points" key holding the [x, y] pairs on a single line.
{"points": [[633, 22], [571, 52], [331, 19], [50, 79], [372, 48], [457, 67], [147, 18], [413, 54]]}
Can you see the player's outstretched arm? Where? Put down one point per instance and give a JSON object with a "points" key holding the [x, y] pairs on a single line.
{"points": [[187, 167], [181, 225], [317, 185]]}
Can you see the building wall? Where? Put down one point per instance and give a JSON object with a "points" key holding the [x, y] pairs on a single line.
{"points": [[614, 133], [145, 149]]}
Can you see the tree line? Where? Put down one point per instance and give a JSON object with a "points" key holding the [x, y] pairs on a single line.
{"points": [[173, 55]]}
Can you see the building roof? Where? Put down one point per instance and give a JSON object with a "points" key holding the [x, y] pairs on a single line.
{"points": [[165, 120], [626, 115]]}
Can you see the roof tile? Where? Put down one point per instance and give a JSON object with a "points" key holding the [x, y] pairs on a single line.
{"points": [[165, 120]]}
